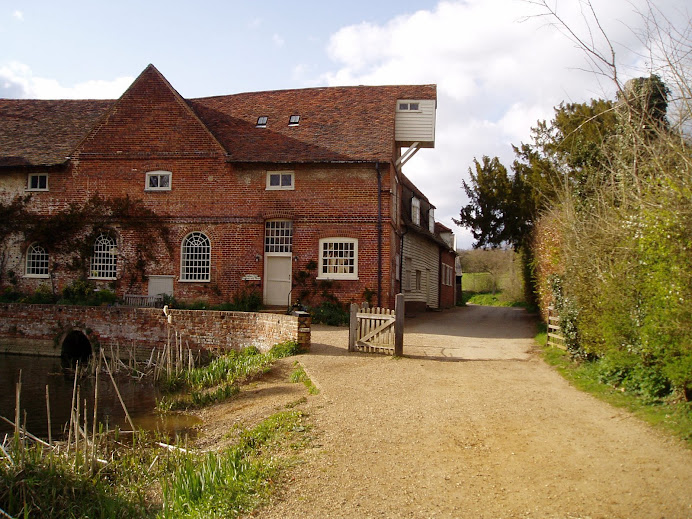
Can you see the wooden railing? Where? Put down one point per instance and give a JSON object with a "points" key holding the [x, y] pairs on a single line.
{"points": [[143, 301], [555, 337]]}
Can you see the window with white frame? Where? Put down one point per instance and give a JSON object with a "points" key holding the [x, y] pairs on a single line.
{"points": [[195, 258], [104, 261], [277, 180], [262, 121], [278, 236], [431, 220], [338, 258], [419, 277], [408, 106], [447, 275], [294, 120], [415, 210], [36, 261], [158, 181], [37, 182]]}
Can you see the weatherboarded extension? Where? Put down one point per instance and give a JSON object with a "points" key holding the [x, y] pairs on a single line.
{"points": [[377, 330]]}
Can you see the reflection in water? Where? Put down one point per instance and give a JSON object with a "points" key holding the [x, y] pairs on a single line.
{"points": [[139, 397]]}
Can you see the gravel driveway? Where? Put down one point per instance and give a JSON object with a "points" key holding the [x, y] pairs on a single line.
{"points": [[472, 423]]}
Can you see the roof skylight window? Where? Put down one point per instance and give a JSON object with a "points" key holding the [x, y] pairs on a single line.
{"points": [[294, 120], [261, 122]]}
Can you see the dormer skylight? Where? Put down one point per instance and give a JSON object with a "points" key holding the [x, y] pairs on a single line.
{"points": [[294, 120], [261, 122]]}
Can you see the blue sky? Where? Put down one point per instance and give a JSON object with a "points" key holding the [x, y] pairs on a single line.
{"points": [[498, 68]]}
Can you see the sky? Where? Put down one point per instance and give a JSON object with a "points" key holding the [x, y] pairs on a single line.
{"points": [[499, 65]]}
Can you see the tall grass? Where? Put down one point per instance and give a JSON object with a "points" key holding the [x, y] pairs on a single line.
{"points": [[221, 378], [146, 480]]}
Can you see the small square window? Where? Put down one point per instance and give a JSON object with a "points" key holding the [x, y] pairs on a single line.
{"points": [[280, 180], [294, 120], [158, 181], [261, 121], [408, 106], [38, 182]]}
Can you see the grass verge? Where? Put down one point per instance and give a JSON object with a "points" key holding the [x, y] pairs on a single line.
{"points": [[145, 481], [299, 375], [221, 378], [671, 414]]}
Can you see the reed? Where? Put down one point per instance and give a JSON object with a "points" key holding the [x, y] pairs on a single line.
{"points": [[47, 483]]}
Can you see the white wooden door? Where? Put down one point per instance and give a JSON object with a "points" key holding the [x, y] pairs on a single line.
{"points": [[277, 280], [278, 262], [160, 285]]}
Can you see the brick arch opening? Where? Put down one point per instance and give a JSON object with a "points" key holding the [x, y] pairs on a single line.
{"points": [[76, 347]]}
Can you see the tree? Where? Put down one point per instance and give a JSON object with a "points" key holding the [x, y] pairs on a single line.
{"points": [[489, 193]]}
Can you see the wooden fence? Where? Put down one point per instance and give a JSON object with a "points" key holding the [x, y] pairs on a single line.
{"points": [[555, 337], [377, 330]]}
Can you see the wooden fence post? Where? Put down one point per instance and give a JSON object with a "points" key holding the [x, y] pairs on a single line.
{"points": [[399, 326], [353, 327]]}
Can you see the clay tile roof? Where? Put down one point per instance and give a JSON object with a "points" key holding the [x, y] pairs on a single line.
{"points": [[336, 123], [40, 133]]}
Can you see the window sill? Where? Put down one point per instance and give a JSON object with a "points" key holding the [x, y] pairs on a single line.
{"points": [[37, 276], [36, 190], [181, 280], [102, 279], [337, 278]]}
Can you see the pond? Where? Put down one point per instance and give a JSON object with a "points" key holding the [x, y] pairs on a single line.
{"points": [[37, 372]]}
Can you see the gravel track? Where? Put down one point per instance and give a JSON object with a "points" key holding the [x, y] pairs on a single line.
{"points": [[472, 423]]}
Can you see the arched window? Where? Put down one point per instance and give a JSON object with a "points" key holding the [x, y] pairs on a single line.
{"points": [[195, 258], [104, 261], [36, 261]]}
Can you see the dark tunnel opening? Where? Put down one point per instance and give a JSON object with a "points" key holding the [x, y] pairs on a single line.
{"points": [[76, 347]]}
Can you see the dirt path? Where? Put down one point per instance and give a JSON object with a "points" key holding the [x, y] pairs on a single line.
{"points": [[472, 424]]}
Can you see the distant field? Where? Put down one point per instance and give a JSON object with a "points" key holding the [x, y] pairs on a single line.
{"points": [[476, 282]]}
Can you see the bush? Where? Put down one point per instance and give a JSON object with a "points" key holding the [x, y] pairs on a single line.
{"points": [[331, 313], [42, 296], [10, 295], [82, 292]]}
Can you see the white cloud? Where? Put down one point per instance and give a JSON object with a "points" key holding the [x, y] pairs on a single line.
{"points": [[18, 81], [18, 15], [254, 23], [499, 69], [278, 40]]}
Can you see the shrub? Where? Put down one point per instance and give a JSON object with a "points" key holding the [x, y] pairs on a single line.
{"points": [[331, 313], [42, 296]]}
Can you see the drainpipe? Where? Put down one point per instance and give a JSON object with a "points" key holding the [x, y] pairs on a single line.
{"points": [[379, 234], [401, 260]]}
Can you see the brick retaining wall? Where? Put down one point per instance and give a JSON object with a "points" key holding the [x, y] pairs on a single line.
{"points": [[41, 329]]}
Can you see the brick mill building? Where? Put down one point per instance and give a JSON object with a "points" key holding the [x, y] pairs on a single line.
{"points": [[279, 191]]}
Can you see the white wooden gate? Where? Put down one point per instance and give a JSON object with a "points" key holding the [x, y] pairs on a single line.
{"points": [[377, 330]]}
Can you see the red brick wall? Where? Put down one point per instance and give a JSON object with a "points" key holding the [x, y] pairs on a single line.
{"points": [[230, 205], [40, 329], [447, 299]]}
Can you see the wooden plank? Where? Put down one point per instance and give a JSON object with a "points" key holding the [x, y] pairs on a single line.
{"points": [[399, 325], [353, 328]]}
